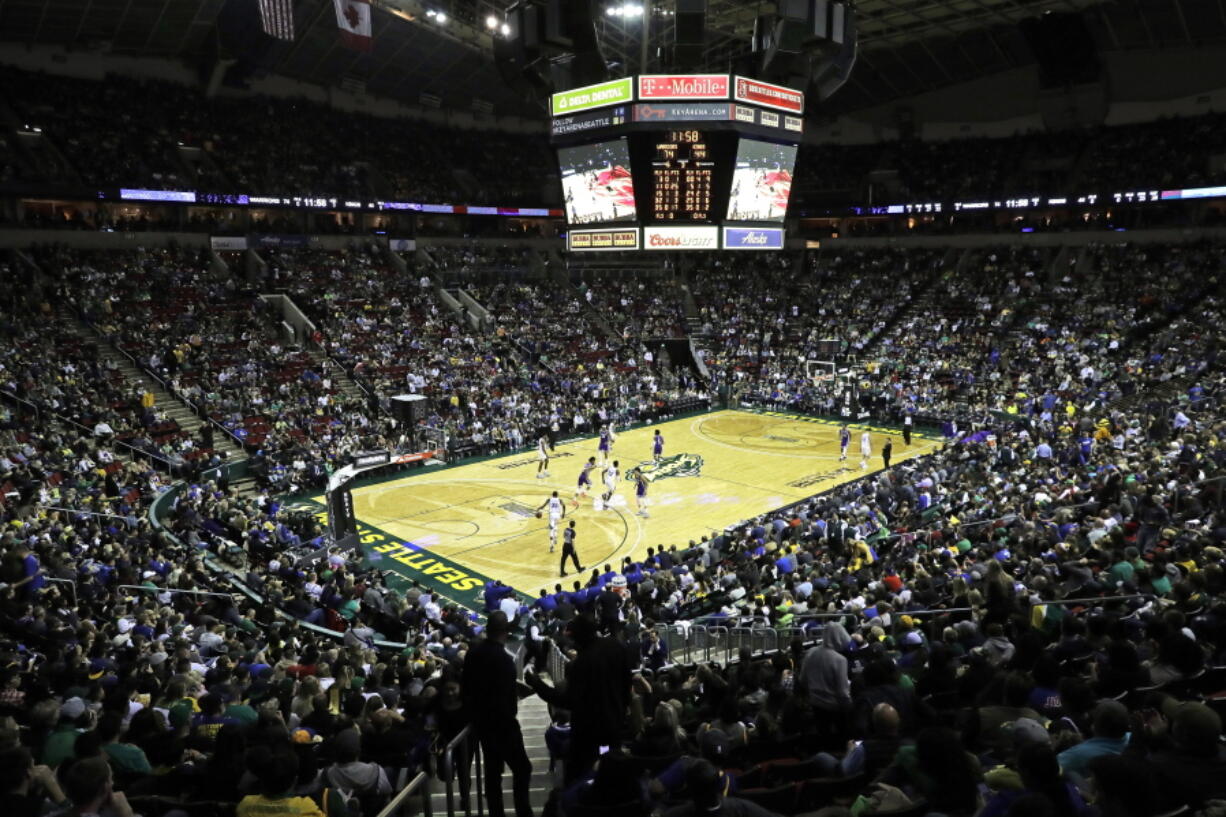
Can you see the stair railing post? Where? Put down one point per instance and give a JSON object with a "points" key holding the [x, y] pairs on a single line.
{"points": [[480, 779]]}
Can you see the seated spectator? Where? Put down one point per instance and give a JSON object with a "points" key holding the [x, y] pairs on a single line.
{"points": [[366, 781], [1109, 737], [276, 771]]}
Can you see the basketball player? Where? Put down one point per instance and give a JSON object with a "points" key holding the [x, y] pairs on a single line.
{"points": [[542, 457], [568, 549], [585, 479], [657, 447], [606, 444], [611, 474], [640, 491], [557, 511], [866, 450], [844, 441]]}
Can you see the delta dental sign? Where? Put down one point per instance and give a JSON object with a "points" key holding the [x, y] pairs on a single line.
{"points": [[594, 96]]}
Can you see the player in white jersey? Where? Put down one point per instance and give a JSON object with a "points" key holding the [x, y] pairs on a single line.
{"points": [[611, 474], [866, 450], [542, 457], [557, 512]]}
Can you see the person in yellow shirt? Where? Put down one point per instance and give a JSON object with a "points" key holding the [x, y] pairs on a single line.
{"points": [[862, 555], [276, 769]]}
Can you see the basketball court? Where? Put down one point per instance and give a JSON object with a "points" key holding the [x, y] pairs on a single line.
{"points": [[454, 528]]}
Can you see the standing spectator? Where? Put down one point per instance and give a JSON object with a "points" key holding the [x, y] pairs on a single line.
{"points": [[488, 682], [597, 694], [823, 675]]}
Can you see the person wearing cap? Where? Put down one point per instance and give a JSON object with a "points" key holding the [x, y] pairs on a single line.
{"points": [[75, 718], [491, 698]]}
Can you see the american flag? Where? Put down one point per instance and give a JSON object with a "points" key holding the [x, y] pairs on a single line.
{"points": [[277, 18]]}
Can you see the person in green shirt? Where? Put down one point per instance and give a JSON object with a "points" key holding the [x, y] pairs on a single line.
{"points": [[1123, 571], [75, 718], [123, 757]]}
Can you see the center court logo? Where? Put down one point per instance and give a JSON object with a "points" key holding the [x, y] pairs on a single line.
{"points": [[678, 465]]}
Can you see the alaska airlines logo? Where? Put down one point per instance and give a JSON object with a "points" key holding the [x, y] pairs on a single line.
{"points": [[678, 465]]}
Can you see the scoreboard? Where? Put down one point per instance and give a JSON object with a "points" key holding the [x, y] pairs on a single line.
{"points": [[682, 177], [677, 162]]}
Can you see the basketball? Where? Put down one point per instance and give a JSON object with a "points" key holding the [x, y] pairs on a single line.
{"points": [[538, 514]]}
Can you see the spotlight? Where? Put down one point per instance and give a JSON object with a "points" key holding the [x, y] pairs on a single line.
{"points": [[505, 29], [441, 17], [430, 13], [491, 22]]}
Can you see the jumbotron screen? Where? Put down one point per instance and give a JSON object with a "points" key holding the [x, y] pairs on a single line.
{"points": [[762, 181], [597, 185], [679, 162]]}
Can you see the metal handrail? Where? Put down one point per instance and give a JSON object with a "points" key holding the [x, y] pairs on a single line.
{"points": [[68, 582], [145, 589], [447, 774], [397, 803], [204, 418], [139, 452]]}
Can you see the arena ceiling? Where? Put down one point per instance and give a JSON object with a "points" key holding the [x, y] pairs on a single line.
{"points": [[906, 46]]}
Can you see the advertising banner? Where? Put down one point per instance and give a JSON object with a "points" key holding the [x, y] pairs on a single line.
{"points": [[611, 240], [753, 238], [228, 242], [771, 96], [681, 238], [614, 92], [684, 86]]}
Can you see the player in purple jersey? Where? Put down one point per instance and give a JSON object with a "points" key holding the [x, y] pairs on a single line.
{"points": [[606, 444], [640, 491]]}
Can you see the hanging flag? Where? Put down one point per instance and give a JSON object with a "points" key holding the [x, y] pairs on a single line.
{"points": [[277, 18], [353, 19]]}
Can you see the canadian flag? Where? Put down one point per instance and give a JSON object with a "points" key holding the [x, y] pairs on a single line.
{"points": [[353, 19]]}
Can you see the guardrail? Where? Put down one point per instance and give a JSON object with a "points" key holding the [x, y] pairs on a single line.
{"points": [[145, 589], [155, 511], [419, 784], [68, 582], [136, 453], [454, 766]]}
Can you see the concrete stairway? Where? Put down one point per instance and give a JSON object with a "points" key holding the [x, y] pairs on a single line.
{"points": [[533, 721], [340, 379], [164, 401]]}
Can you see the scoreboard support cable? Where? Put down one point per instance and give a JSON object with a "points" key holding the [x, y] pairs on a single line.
{"points": [[677, 162]]}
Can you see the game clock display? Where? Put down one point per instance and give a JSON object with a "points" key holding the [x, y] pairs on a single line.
{"points": [[682, 177]]}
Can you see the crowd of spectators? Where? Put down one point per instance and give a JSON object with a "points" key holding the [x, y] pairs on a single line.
{"points": [[128, 132], [650, 305], [265, 145], [1023, 622]]}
